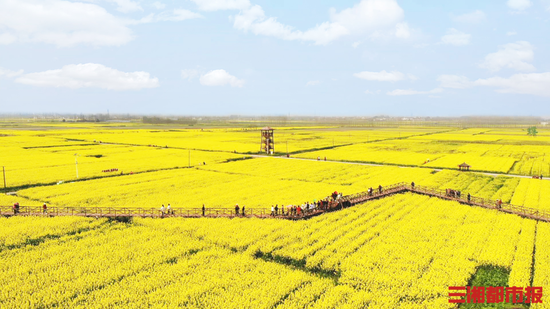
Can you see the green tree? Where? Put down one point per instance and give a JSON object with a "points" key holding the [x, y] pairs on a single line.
{"points": [[532, 131]]}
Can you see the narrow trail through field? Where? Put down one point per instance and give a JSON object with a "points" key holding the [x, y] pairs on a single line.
{"points": [[396, 165]]}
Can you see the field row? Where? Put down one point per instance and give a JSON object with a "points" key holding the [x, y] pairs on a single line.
{"points": [[400, 252]]}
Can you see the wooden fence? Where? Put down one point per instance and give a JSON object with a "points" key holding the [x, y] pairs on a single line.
{"points": [[346, 201]]}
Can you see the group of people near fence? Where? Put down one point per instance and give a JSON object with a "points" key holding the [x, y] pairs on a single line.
{"points": [[17, 209], [166, 210], [243, 211], [295, 210], [453, 193]]}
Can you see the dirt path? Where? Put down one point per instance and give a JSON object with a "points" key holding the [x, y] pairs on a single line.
{"points": [[396, 165]]}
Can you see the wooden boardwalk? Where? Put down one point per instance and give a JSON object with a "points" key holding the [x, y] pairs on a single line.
{"points": [[344, 202]]}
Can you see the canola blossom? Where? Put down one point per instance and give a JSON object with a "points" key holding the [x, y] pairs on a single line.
{"points": [[403, 251]]}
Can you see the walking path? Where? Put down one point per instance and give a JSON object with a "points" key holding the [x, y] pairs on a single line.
{"points": [[396, 165], [344, 202]]}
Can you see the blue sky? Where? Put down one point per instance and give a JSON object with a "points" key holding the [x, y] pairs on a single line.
{"points": [[221, 57]]}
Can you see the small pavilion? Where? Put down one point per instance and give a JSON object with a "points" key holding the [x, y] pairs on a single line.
{"points": [[464, 167]]}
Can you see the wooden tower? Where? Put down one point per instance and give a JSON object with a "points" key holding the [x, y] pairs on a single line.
{"points": [[268, 144]]}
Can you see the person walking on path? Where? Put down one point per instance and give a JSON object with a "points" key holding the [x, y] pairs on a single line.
{"points": [[272, 211], [412, 184], [169, 210], [45, 209], [469, 197], [237, 209], [380, 189], [162, 210], [277, 209], [243, 211], [203, 209], [15, 208]]}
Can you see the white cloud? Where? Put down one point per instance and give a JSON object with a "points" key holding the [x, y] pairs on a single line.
{"points": [[399, 92], [126, 6], [158, 5], [402, 31], [532, 83], [454, 81], [519, 5], [66, 23], [255, 21], [10, 73], [355, 44], [216, 5], [7, 38], [384, 76], [526, 83], [62, 23], [220, 78], [456, 38], [172, 15], [313, 83], [510, 33], [367, 17], [189, 74], [474, 17], [513, 56], [89, 75]]}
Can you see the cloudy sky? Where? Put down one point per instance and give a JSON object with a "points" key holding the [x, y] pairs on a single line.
{"points": [[298, 57]]}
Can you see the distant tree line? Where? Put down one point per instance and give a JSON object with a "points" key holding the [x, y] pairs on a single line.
{"points": [[162, 120]]}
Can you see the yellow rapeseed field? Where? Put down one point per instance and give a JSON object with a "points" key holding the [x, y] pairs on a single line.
{"points": [[402, 251]]}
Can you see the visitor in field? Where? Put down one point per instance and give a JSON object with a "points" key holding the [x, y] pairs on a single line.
{"points": [[272, 210], [162, 210], [237, 209], [380, 189], [412, 184], [243, 210], [15, 208], [44, 209], [277, 209], [169, 210], [203, 209], [469, 197]]}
